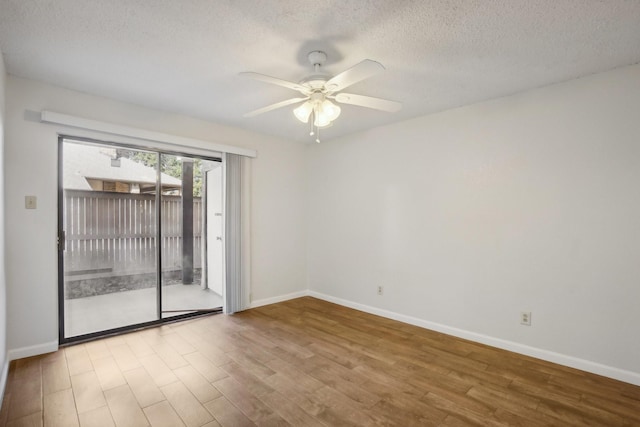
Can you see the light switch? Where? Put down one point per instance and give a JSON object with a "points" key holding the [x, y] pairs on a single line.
{"points": [[30, 202]]}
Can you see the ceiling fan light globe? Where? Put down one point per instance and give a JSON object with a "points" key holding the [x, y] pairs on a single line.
{"points": [[303, 112], [330, 110], [321, 121]]}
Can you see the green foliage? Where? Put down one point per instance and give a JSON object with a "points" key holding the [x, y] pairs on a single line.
{"points": [[169, 164]]}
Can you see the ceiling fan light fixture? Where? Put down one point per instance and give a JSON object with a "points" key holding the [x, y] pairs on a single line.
{"points": [[329, 109], [321, 120], [303, 112], [324, 112]]}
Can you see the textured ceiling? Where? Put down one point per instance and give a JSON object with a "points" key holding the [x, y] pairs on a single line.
{"points": [[184, 56]]}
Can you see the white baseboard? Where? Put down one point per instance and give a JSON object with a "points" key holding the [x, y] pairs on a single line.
{"points": [[550, 356], [34, 350], [280, 298]]}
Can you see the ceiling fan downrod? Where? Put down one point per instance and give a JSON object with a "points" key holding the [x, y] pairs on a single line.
{"points": [[317, 59]]}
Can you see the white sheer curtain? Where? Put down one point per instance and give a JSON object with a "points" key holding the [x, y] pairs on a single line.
{"points": [[236, 232]]}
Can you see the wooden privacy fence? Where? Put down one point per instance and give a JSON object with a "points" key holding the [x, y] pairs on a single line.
{"points": [[112, 234]]}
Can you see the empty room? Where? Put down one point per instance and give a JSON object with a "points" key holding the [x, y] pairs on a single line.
{"points": [[319, 213]]}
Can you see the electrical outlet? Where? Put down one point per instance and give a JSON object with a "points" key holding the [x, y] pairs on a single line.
{"points": [[380, 290], [30, 202], [525, 318]]}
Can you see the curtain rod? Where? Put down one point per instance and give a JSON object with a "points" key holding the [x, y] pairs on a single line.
{"points": [[147, 135]]}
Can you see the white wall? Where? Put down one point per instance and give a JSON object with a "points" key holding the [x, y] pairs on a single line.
{"points": [[4, 363], [468, 217], [278, 240]]}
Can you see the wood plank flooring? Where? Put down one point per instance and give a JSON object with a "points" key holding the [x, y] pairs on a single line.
{"points": [[304, 362]]}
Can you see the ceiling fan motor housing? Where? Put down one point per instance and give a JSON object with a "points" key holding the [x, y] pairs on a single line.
{"points": [[315, 82]]}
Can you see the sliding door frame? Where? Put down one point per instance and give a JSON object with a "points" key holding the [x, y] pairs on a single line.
{"points": [[61, 241]]}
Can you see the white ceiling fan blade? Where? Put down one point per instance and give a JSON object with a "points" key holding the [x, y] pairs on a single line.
{"points": [[369, 102], [358, 72], [276, 81], [274, 106]]}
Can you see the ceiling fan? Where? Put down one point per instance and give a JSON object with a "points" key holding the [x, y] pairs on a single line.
{"points": [[319, 90]]}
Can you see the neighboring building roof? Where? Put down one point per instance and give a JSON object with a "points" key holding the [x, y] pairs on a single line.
{"points": [[94, 162]]}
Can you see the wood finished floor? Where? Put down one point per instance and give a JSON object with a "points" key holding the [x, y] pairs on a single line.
{"points": [[304, 362]]}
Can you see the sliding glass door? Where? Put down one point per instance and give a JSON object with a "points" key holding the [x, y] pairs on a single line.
{"points": [[136, 243], [191, 237]]}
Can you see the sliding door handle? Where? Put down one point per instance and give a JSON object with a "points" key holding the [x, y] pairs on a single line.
{"points": [[62, 241]]}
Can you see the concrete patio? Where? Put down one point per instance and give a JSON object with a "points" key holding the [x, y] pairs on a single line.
{"points": [[114, 310]]}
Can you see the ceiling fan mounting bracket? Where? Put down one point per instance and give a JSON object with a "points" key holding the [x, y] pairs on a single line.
{"points": [[317, 58]]}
